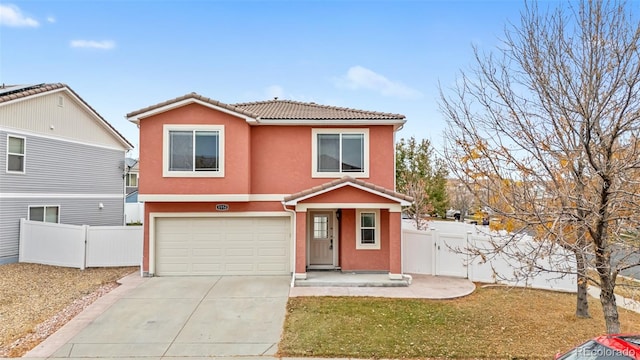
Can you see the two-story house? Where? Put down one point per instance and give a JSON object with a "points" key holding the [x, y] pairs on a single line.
{"points": [[60, 162], [271, 187]]}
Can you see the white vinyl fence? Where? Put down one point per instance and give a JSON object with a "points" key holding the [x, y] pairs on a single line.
{"points": [[80, 246], [134, 213], [443, 250]]}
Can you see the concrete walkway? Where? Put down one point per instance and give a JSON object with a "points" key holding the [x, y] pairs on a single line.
{"points": [[422, 287], [622, 302], [204, 317]]}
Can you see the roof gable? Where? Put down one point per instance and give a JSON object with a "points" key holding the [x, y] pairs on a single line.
{"points": [[136, 116], [294, 199], [18, 93]]}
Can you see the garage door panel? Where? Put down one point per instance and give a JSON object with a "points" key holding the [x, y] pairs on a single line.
{"points": [[205, 267], [274, 268], [272, 252], [208, 237], [240, 267], [176, 268], [222, 246], [248, 251], [204, 252]]}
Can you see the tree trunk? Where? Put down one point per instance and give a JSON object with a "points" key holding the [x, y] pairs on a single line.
{"points": [[610, 309], [582, 303], [607, 286]]}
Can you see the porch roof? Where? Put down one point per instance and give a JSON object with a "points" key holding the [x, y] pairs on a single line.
{"points": [[402, 199]]}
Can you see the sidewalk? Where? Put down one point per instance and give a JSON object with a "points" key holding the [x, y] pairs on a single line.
{"points": [[622, 302], [422, 286]]}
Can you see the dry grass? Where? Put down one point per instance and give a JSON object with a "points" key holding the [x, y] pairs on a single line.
{"points": [[493, 322], [32, 294]]}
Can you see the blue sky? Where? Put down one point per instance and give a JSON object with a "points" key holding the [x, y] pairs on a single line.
{"points": [[121, 56]]}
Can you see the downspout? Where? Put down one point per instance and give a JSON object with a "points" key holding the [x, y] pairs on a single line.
{"points": [[295, 243]]}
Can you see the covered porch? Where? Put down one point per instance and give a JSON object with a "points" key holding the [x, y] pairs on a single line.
{"points": [[348, 226]]}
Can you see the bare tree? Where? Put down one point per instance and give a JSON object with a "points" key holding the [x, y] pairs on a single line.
{"points": [[548, 125], [415, 187]]}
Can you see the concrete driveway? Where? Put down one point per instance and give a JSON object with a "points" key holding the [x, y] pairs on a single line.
{"points": [[188, 317]]}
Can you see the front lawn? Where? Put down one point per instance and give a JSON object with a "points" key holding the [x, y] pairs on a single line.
{"points": [[494, 322]]}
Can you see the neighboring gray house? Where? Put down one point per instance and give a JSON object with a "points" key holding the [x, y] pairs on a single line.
{"points": [[60, 161], [132, 172]]}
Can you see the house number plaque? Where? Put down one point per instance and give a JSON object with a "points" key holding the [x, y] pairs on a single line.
{"points": [[222, 207]]}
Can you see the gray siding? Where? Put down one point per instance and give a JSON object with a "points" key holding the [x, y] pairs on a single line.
{"points": [[55, 166], [56, 169], [72, 211]]}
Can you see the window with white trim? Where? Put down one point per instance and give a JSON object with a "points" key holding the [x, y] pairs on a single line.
{"points": [[368, 229], [50, 214], [340, 152], [15, 154], [132, 180], [193, 151]]}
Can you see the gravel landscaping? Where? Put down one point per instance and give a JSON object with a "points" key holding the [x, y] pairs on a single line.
{"points": [[36, 300]]}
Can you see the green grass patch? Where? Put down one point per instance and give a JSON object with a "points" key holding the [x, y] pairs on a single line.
{"points": [[491, 323]]}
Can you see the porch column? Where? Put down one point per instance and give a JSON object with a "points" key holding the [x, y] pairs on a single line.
{"points": [[301, 245], [395, 245]]}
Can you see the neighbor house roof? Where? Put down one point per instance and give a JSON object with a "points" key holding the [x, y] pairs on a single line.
{"points": [[14, 92], [275, 111], [292, 199]]}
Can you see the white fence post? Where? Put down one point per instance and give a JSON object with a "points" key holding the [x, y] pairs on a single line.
{"points": [[84, 253]]}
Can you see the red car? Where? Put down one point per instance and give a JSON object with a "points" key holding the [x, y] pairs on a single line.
{"points": [[609, 347]]}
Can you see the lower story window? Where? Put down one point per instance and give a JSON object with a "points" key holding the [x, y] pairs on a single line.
{"points": [[49, 214], [368, 229]]}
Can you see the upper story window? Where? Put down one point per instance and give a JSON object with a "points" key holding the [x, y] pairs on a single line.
{"points": [[49, 214], [132, 180], [340, 152], [193, 151], [15, 154]]}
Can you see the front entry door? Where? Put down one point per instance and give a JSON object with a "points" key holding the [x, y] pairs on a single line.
{"points": [[321, 247]]}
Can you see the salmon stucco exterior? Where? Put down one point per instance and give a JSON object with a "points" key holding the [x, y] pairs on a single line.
{"points": [[270, 187]]}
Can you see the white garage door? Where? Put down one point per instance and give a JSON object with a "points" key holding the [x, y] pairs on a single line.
{"points": [[222, 246]]}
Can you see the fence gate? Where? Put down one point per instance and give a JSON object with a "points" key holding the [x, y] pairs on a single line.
{"points": [[450, 257]]}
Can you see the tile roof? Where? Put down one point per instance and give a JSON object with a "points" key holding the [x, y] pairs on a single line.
{"points": [[281, 110], [347, 179], [26, 91], [295, 110]]}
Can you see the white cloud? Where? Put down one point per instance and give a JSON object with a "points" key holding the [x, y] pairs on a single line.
{"points": [[102, 45], [274, 91], [359, 77], [51, 19], [12, 16]]}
